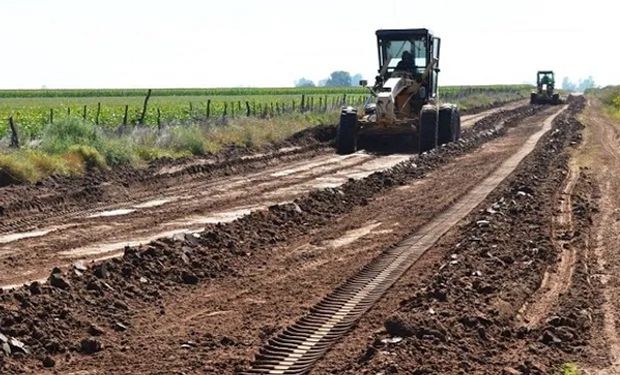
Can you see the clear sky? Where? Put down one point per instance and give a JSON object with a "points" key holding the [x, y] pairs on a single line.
{"points": [[199, 43]]}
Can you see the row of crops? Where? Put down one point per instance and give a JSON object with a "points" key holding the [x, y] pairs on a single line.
{"points": [[31, 110]]}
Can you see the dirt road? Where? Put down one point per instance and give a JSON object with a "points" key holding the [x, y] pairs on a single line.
{"points": [[238, 270], [55, 233]]}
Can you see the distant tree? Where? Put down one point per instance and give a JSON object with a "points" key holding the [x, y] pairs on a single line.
{"points": [[355, 79], [303, 82], [339, 78], [581, 86], [567, 85], [323, 82], [585, 84]]}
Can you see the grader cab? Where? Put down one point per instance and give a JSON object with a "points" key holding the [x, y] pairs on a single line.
{"points": [[403, 101], [545, 89]]}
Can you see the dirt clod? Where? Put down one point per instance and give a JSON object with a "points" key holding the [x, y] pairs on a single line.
{"points": [[90, 345], [48, 362]]}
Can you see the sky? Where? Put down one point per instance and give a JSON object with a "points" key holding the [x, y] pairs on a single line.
{"points": [[269, 43]]}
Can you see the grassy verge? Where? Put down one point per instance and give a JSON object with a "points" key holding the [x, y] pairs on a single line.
{"points": [[73, 146], [610, 97]]}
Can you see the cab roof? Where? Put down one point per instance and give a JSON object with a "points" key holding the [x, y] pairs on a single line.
{"points": [[401, 32]]}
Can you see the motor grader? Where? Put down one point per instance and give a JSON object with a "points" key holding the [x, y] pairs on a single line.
{"points": [[545, 86], [403, 102]]}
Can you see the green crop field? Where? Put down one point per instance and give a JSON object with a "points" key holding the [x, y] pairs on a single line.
{"points": [[31, 110]]}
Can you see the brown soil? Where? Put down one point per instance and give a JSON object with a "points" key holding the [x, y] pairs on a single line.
{"points": [[457, 310], [234, 284]]}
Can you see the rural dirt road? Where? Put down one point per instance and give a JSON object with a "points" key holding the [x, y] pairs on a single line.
{"points": [[517, 275], [37, 238]]}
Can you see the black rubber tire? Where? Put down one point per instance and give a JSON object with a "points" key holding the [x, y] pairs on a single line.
{"points": [[456, 123], [449, 124], [427, 129], [556, 99], [346, 136], [533, 98]]}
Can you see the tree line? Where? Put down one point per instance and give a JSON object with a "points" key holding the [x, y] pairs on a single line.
{"points": [[338, 78]]}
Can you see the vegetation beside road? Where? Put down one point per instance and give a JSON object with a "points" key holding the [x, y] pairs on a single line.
{"points": [[73, 144]]}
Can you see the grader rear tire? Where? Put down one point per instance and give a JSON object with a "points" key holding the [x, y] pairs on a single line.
{"points": [[427, 129], [449, 124], [346, 136]]}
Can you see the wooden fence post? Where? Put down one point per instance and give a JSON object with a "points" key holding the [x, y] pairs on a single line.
{"points": [[208, 108], [51, 115], [125, 115], [84, 113], [68, 111], [302, 106], [97, 114], [146, 102], [158, 120], [14, 137], [247, 108], [225, 109]]}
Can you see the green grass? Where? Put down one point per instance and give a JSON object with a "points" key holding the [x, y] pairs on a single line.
{"points": [[610, 97], [73, 146], [570, 369]]}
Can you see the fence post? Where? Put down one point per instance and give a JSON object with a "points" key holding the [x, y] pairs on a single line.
{"points": [[302, 106], [247, 108], [146, 102], [84, 113], [125, 115], [158, 120], [14, 137], [51, 115], [208, 108], [225, 109], [68, 111], [97, 114]]}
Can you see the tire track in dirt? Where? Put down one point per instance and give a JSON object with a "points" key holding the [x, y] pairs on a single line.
{"points": [[558, 277]]}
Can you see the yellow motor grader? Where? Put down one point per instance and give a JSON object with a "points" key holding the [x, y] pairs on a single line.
{"points": [[403, 101]]}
